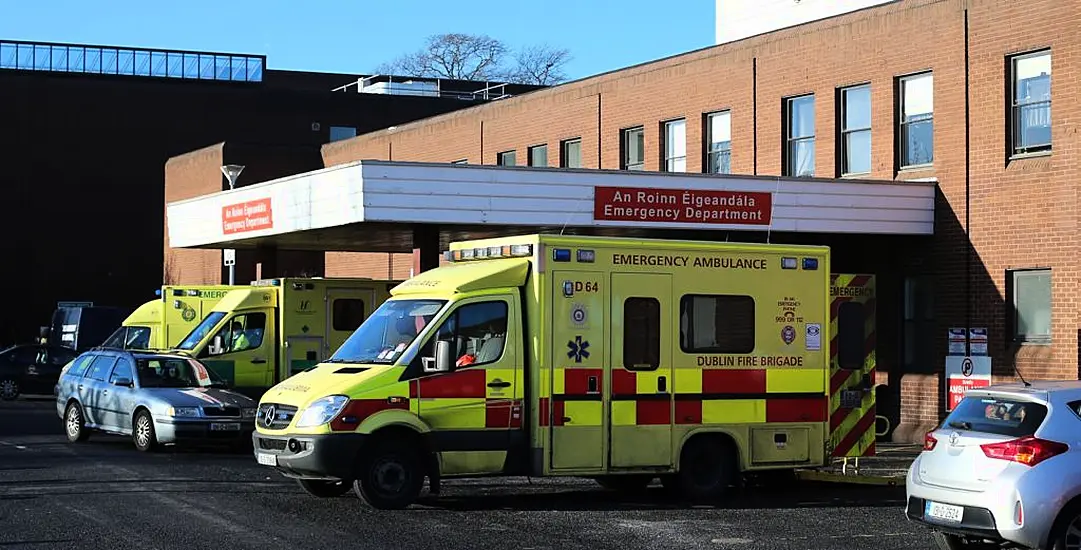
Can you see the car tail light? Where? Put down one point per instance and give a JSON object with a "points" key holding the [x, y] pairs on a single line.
{"points": [[1028, 450], [929, 442]]}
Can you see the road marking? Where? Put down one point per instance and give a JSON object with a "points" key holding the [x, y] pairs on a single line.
{"points": [[732, 541]]}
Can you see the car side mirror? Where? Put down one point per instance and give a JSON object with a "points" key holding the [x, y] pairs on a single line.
{"points": [[443, 359], [126, 382]]}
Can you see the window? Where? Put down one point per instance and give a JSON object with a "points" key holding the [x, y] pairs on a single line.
{"points": [[506, 158], [634, 148], [851, 344], [571, 153], [641, 334], [477, 333], [538, 155], [242, 332], [348, 314], [716, 324], [100, 368], [1031, 105], [79, 368], [799, 148], [856, 130], [1030, 300], [718, 143], [121, 370], [920, 324], [675, 146], [997, 415], [917, 136], [342, 132], [460, 161]]}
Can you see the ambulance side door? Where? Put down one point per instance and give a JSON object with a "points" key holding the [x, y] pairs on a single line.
{"points": [[242, 352]]}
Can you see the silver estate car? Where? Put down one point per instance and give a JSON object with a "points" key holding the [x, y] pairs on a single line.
{"points": [[1003, 468], [157, 399]]}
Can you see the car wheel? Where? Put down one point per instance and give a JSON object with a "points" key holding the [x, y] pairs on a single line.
{"points": [[707, 468], [142, 433], [631, 483], [1066, 532], [325, 489], [75, 424], [391, 475], [9, 389]]}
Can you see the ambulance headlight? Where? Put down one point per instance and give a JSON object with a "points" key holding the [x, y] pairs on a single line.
{"points": [[321, 411]]}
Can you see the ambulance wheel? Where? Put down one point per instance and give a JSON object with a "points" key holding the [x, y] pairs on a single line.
{"points": [[325, 489], [390, 476], [707, 468], [631, 483], [9, 389]]}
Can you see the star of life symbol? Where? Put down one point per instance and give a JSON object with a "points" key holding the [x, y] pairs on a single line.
{"points": [[578, 349]]}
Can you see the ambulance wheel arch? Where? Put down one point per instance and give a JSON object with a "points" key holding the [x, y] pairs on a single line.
{"points": [[728, 469], [416, 442]]}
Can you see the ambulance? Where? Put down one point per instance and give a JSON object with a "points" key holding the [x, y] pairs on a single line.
{"points": [[617, 359], [163, 322], [263, 333]]}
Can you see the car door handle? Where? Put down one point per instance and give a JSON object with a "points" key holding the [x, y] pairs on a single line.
{"points": [[104, 392], [258, 360], [498, 384], [80, 386]]}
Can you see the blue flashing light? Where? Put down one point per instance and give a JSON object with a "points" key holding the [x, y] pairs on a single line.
{"points": [[561, 255], [810, 264], [157, 292]]}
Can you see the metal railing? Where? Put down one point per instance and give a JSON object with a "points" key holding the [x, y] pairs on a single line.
{"points": [[424, 87]]}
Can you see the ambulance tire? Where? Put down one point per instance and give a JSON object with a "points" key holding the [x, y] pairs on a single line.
{"points": [[396, 460], [707, 468], [325, 489]]}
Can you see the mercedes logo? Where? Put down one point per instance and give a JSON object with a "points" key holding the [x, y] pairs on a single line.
{"points": [[268, 416]]}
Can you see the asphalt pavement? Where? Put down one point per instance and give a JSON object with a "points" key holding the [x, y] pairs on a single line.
{"points": [[103, 494]]}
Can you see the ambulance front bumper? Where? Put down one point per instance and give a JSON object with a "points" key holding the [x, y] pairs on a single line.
{"points": [[327, 456]]}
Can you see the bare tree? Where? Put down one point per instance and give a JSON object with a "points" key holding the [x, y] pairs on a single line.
{"points": [[540, 65], [480, 57]]}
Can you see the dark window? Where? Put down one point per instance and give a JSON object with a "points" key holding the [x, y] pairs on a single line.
{"points": [[633, 145], [917, 132], [242, 332], [851, 338], [538, 155], [996, 415], [122, 369], [856, 130], [1031, 102], [100, 368], [799, 151], [1030, 303], [477, 333], [507, 158], [718, 143], [348, 313], [716, 324], [641, 334], [571, 153]]}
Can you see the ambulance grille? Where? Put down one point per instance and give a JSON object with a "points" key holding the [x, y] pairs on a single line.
{"points": [[282, 416]]}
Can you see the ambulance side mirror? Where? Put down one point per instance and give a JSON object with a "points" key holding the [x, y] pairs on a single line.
{"points": [[443, 359], [215, 346]]}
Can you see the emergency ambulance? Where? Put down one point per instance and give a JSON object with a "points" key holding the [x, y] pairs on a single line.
{"points": [[612, 358], [162, 323], [261, 334]]}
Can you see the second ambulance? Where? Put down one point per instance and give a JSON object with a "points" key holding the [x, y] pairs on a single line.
{"points": [[618, 359]]}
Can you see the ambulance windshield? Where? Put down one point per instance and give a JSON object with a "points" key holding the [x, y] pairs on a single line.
{"points": [[388, 332]]}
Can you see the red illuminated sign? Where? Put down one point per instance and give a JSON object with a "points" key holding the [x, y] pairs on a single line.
{"points": [[634, 204], [247, 216]]}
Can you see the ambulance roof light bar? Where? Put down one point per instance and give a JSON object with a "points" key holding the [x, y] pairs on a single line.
{"points": [[485, 252]]}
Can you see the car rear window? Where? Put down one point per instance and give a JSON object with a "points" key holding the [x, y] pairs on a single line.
{"points": [[996, 415]]}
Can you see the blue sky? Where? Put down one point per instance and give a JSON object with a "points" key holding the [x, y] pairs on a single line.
{"points": [[354, 36]]}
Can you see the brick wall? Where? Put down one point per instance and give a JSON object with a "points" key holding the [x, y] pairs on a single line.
{"points": [[187, 176]]}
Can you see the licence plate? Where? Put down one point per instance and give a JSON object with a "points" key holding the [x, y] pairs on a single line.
{"points": [[218, 427], [266, 459], [944, 512]]}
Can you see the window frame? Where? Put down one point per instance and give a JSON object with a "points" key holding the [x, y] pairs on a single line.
{"points": [[512, 154], [1015, 107], [788, 103], [653, 342], [903, 125], [709, 151], [530, 151], [667, 161], [625, 149], [686, 308], [563, 152], [1012, 277], [427, 349], [843, 131]]}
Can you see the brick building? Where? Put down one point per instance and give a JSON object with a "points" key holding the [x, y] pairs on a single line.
{"points": [[86, 131], [951, 91]]}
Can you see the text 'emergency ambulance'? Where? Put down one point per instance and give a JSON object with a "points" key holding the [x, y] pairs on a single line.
{"points": [[682, 205]]}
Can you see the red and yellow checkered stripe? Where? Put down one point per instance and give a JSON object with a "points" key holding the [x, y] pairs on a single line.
{"points": [[852, 425]]}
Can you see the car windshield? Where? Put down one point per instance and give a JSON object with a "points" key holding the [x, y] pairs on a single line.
{"points": [[175, 372], [132, 337], [388, 331], [996, 415], [199, 332]]}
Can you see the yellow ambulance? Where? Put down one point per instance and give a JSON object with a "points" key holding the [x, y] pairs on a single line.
{"points": [[261, 334], [612, 358], [162, 323]]}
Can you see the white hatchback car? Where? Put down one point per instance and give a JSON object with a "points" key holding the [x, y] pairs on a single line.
{"points": [[1003, 468]]}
